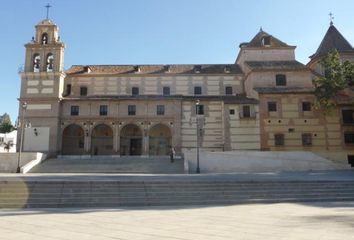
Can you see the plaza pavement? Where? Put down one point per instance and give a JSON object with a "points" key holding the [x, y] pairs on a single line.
{"points": [[284, 221]]}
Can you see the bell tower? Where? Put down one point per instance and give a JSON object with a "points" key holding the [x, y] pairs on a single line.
{"points": [[45, 52], [42, 81]]}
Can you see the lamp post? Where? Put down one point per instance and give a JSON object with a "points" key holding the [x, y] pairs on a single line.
{"points": [[198, 133], [22, 125]]}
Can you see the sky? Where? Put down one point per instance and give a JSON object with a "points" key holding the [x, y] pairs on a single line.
{"points": [[161, 31]]}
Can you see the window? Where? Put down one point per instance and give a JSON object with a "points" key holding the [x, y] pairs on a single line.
{"points": [[228, 90], [197, 69], [160, 110], [227, 69], [351, 160], [246, 111], [348, 116], [306, 139], [199, 109], [50, 61], [280, 80], [44, 38], [166, 91], [131, 110], [74, 110], [87, 69], [1, 139], [83, 91], [68, 89], [272, 106], [266, 41], [349, 138], [279, 139], [197, 90], [135, 91], [232, 111], [306, 106], [36, 63], [103, 110]]}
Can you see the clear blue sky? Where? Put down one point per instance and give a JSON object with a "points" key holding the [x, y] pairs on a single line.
{"points": [[161, 31]]}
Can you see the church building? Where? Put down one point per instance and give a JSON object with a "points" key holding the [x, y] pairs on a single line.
{"points": [[262, 102]]}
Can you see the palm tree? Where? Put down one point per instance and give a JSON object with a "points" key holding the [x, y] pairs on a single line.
{"points": [[8, 145]]}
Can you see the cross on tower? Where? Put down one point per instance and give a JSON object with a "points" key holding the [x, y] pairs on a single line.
{"points": [[331, 17], [48, 6]]}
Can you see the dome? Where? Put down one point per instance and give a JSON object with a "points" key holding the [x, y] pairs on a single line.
{"points": [[46, 22]]}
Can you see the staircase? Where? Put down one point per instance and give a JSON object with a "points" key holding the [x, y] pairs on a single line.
{"points": [[101, 164], [55, 193]]}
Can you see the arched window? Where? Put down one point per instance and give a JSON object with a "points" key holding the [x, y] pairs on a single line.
{"points": [[50, 61], [36, 62], [44, 38]]}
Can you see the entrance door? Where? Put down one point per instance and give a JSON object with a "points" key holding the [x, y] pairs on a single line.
{"points": [[102, 140], [135, 146], [73, 140], [131, 140], [160, 139]]}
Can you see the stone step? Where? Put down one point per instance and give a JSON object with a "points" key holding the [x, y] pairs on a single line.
{"points": [[144, 193], [111, 165]]}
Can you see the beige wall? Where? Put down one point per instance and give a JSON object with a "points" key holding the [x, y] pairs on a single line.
{"points": [[211, 122], [264, 54], [242, 133], [153, 85], [325, 130], [302, 79]]}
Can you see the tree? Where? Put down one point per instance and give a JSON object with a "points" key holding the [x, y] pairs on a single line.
{"points": [[8, 145], [5, 123], [337, 76]]}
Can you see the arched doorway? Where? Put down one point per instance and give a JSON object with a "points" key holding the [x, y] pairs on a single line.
{"points": [[131, 140], [102, 140], [73, 140], [160, 140]]}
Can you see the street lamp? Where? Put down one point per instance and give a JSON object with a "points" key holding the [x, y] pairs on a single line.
{"points": [[22, 125], [198, 133]]}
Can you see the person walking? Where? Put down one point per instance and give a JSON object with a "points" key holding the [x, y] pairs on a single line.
{"points": [[172, 154]]}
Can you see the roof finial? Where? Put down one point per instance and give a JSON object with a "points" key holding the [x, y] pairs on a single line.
{"points": [[261, 29], [331, 17], [48, 6]]}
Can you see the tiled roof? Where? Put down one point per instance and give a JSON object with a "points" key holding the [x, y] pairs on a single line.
{"points": [[333, 40], [274, 90], [276, 65], [156, 69], [257, 41]]}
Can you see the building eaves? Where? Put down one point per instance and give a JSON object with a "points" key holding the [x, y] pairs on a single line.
{"points": [[276, 65], [279, 90], [155, 69], [241, 99]]}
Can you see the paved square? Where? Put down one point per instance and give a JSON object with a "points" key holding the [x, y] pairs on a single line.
{"points": [[330, 220]]}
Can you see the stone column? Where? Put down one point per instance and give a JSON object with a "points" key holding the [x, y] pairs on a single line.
{"points": [[116, 138], [145, 144]]}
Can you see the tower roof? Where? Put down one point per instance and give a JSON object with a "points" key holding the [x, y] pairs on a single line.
{"points": [[258, 41], [333, 40]]}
